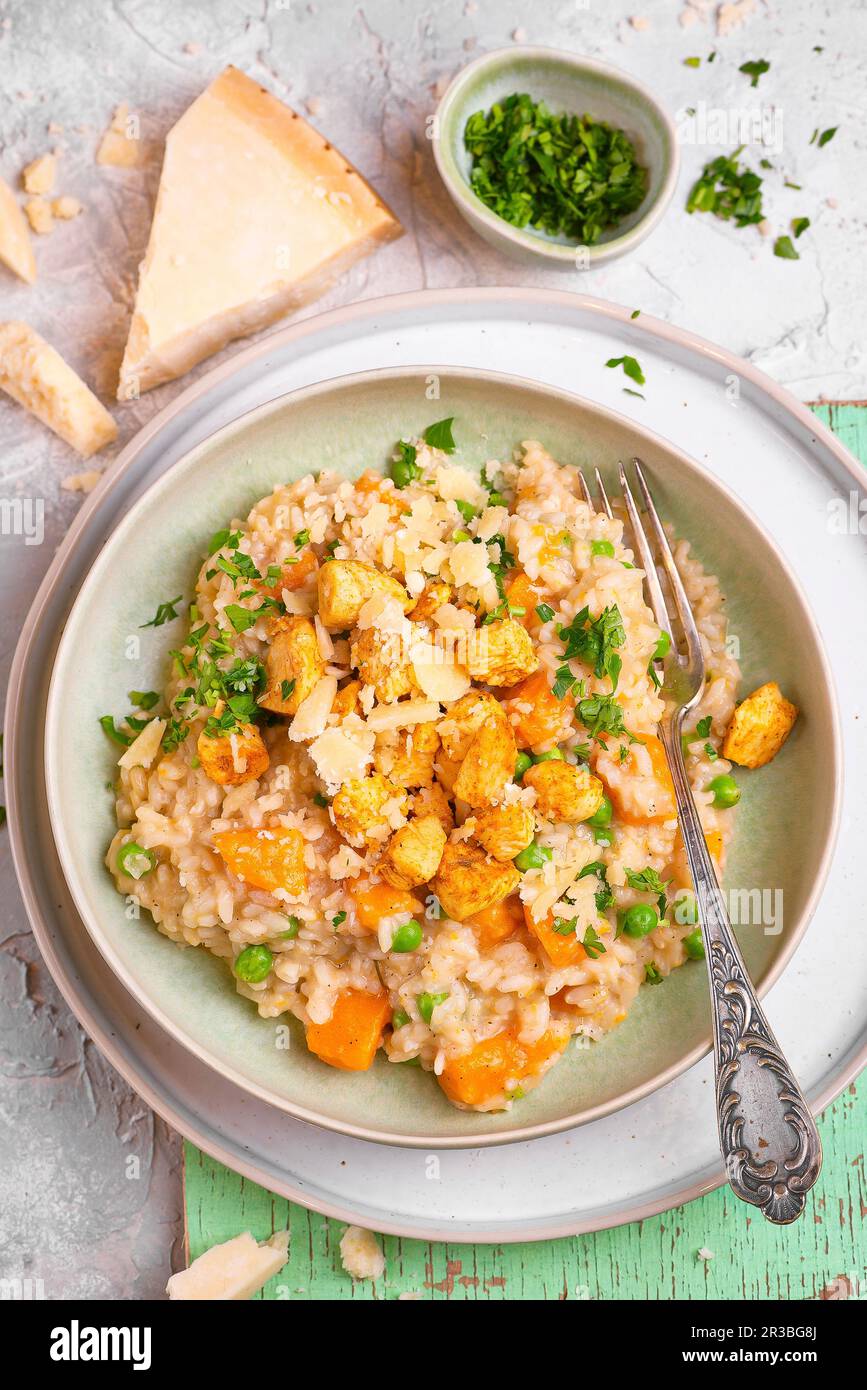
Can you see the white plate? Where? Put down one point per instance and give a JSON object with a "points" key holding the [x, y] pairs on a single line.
{"points": [[788, 469]]}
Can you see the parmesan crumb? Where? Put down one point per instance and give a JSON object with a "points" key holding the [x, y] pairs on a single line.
{"points": [[361, 1254], [39, 175], [39, 215]]}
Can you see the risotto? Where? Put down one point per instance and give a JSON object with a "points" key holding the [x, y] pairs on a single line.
{"points": [[405, 776]]}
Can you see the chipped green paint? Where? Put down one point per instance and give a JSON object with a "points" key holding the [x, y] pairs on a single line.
{"points": [[654, 1259]]}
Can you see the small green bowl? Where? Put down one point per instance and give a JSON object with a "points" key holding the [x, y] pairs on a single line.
{"points": [[565, 82]]}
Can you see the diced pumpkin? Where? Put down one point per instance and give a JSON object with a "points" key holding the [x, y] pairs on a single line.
{"points": [[352, 1034], [679, 868], [497, 923], [560, 950], [267, 859], [521, 593], [482, 1074], [623, 783], [373, 901], [714, 841], [545, 717]]}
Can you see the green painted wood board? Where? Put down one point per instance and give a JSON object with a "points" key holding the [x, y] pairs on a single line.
{"points": [[653, 1259]]}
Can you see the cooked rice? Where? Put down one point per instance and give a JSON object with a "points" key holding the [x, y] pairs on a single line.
{"points": [[174, 809]]}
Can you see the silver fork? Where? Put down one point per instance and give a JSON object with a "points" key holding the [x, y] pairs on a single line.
{"points": [[769, 1141]]}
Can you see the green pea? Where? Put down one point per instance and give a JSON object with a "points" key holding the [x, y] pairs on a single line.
{"points": [[135, 861], [553, 755], [254, 964], [694, 945], [399, 1019], [407, 937], [294, 929], [602, 548], [404, 471], [639, 920], [428, 1002], [663, 646], [533, 857], [522, 762], [602, 817], [726, 791], [686, 910]]}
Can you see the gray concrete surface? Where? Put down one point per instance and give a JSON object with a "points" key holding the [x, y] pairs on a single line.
{"points": [[90, 1196]]}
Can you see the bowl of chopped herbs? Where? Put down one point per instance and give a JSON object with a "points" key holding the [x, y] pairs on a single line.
{"points": [[553, 157]]}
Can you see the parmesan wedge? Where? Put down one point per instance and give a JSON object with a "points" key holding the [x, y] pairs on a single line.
{"points": [[37, 377], [145, 748], [402, 715], [310, 717], [256, 214], [232, 1271], [15, 248]]}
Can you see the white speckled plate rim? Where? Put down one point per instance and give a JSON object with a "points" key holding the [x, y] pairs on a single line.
{"points": [[344, 1177]]}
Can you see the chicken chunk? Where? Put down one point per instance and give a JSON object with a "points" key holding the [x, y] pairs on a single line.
{"points": [[759, 727], [433, 801], [293, 665], [414, 852], [231, 759], [489, 762], [464, 719], [381, 661], [505, 830], [564, 792], [344, 586], [468, 881], [407, 755], [363, 806], [435, 593], [346, 699], [501, 653]]}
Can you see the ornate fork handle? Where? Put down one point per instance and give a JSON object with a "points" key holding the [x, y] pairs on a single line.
{"points": [[769, 1141]]}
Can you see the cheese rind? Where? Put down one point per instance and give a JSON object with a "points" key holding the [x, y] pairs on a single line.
{"points": [[36, 376], [234, 1270], [15, 248], [256, 214]]}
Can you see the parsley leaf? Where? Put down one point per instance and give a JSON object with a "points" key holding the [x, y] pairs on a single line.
{"points": [[703, 726], [592, 943], [439, 435], [800, 225], [544, 612], [755, 69], [144, 699], [631, 367], [826, 136], [240, 618], [645, 881], [784, 248], [165, 613], [117, 735]]}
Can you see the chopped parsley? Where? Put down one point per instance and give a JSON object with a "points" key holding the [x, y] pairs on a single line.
{"points": [[595, 640], [319, 799], [631, 366], [302, 538], [728, 189], [221, 539], [165, 613], [564, 927], [824, 137], [800, 225], [175, 733], [652, 975], [563, 682], [439, 435], [566, 175], [755, 69], [601, 714], [544, 612], [604, 894], [466, 509], [286, 689], [648, 881], [338, 920], [703, 727]]}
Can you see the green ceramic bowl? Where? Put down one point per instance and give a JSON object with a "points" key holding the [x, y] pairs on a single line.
{"points": [[565, 82], [787, 813]]}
